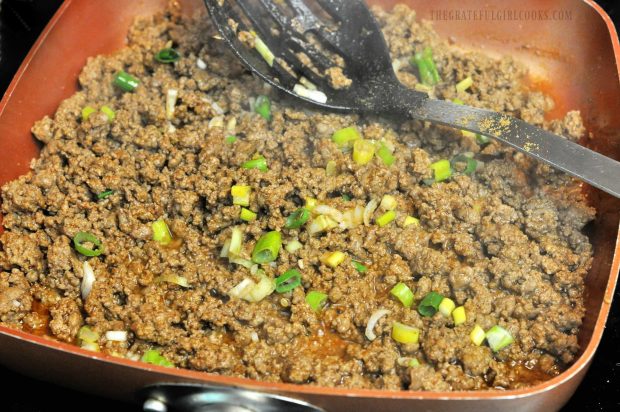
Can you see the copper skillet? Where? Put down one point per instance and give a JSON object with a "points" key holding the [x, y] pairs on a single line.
{"points": [[554, 49]]}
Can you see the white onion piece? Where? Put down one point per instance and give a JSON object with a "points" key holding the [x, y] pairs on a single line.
{"points": [[116, 335], [170, 278], [225, 249], [91, 346], [88, 278], [242, 288], [201, 64], [315, 95], [307, 83], [262, 289], [171, 101], [358, 215], [372, 321], [329, 211], [254, 336], [369, 210], [217, 121]]}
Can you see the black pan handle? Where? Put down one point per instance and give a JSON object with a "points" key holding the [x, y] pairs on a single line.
{"points": [[189, 397]]}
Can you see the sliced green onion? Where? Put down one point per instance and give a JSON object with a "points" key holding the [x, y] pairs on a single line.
{"points": [[413, 363], [82, 237], [442, 170], [267, 247], [91, 346], [262, 106], [87, 111], [385, 155], [293, 246], [459, 316], [498, 338], [333, 259], [236, 241], [470, 164], [359, 267], [247, 215], [458, 101], [167, 55], [363, 151], [230, 139], [345, 137], [477, 335], [104, 194], [126, 81], [331, 168], [410, 220], [388, 202], [464, 84], [403, 294], [311, 203], [246, 263], [110, 114], [405, 334], [430, 304], [161, 232], [86, 334], [176, 279], [386, 218], [446, 306], [346, 197], [262, 289], [263, 50], [259, 163], [288, 281], [316, 300], [241, 195], [172, 96], [297, 218], [321, 223], [153, 357], [482, 139], [426, 66]]}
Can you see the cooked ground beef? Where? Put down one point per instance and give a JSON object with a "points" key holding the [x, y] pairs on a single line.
{"points": [[505, 242]]}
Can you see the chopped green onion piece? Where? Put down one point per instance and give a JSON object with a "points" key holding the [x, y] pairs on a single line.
{"points": [[346, 197], [247, 215], [446, 306], [86, 334], [316, 300], [405, 334], [91, 346], [430, 304], [259, 163], [263, 50], [388, 202], [385, 155], [161, 232], [498, 338], [110, 114], [288, 281], [104, 194], [167, 55], [403, 293], [470, 164], [241, 195], [469, 134], [428, 182], [321, 223], [426, 66], [236, 240], [262, 106], [126, 81], [82, 237], [464, 84], [410, 220], [246, 263], [442, 170], [459, 315], [176, 279], [386, 218], [153, 357], [267, 247], [230, 139], [359, 267], [293, 246], [331, 168], [458, 101], [333, 259], [413, 363], [311, 203], [262, 289], [87, 111], [477, 335], [345, 137], [482, 139], [297, 218], [363, 151]]}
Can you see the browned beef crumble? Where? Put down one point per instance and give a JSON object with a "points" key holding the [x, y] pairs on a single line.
{"points": [[506, 242]]}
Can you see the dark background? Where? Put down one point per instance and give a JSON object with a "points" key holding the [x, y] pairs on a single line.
{"points": [[20, 24]]}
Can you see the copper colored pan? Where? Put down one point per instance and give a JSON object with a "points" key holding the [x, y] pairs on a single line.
{"points": [[555, 50]]}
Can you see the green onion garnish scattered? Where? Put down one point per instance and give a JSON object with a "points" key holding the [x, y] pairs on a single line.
{"points": [[469, 163], [345, 137], [293, 246], [262, 106], [263, 50], [359, 267], [161, 232], [82, 237], [259, 163], [167, 55], [410, 220], [288, 281], [346, 197], [126, 81], [104, 194], [385, 155], [388, 202], [110, 114], [442, 170], [430, 304], [87, 111], [498, 338], [363, 151], [413, 363], [230, 139], [247, 215], [267, 247], [316, 300], [446, 306], [405, 334], [426, 66], [386, 218], [403, 294], [333, 259], [464, 84], [236, 241], [241, 195], [482, 139], [153, 357], [458, 101], [459, 316], [298, 218], [477, 335]]}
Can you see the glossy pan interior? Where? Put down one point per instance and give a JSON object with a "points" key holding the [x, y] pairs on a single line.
{"points": [[574, 59]]}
